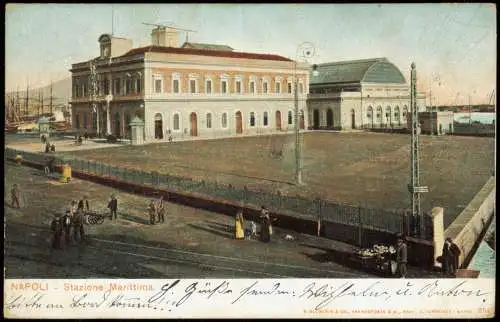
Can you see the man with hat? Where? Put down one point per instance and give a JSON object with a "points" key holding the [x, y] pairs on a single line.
{"points": [[113, 207], [401, 255], [56, 226], [453, 256]]}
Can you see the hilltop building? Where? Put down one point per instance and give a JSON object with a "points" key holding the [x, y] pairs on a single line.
{"points": [[186, 91], [360, 94]]}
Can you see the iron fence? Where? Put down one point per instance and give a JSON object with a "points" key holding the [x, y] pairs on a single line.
{"points": [[376, 219]]}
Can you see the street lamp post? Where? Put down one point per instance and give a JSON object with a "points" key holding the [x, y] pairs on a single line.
{"points": [[305, 50]]}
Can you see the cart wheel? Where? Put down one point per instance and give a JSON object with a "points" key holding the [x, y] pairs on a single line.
{"points": [[100, 220]]}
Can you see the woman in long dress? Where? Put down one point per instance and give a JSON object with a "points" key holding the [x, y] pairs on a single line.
{"points": [[265, 226], [238, 226]]}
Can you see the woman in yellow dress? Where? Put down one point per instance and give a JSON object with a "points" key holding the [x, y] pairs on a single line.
{"points": [[238, 225]]}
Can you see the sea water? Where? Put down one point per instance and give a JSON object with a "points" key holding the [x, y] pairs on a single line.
{"points": [[484, 118], [484, 261]]}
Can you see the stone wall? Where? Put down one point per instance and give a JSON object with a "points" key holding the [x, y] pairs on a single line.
{"points": [[469, 227]]}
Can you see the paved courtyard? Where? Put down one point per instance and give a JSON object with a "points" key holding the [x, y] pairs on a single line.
{"points": [[365, 169], [192, 244]]}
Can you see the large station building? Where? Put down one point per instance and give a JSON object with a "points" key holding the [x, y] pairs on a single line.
{"points": [[360, 94], [186, 91]]}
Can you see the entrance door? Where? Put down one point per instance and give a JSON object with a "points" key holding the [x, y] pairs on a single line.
{"points": [[194, 124], [302, 120], [158, 126], [239, 123], [117, 124], [316, 119], [353, 119], [278, 120], [329, 118]]}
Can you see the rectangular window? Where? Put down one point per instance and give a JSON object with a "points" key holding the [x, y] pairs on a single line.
{"points": [[278, 88], [106, 87], [208, 87], [238, 87], [289, 88], [224, 87], [301, 88], [252, 87], [117, 89], [138, 87], [192, 86], [175, 86], [158, 86], [264, 88], [128, 86]]}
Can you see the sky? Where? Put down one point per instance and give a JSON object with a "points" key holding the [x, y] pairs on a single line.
{"points": [[452, 45]]}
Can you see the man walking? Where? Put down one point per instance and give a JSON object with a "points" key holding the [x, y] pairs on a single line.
{"points": [[401, 256], [78, 226], [113, 207], [14, 196]]}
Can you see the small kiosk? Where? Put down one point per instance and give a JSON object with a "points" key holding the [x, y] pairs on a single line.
{"points": [[137, 129]]}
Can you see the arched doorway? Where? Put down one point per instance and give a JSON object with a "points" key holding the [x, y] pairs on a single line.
{"points": [[329, 118], [158, 126], [302, 120], [117, 124], [239, 123], [369, 114], [353, 119], [316, 119], [278, 120], [194, 124], [127, 125]]}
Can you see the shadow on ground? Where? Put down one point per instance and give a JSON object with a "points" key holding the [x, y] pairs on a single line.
{"points": [[217, 231]]}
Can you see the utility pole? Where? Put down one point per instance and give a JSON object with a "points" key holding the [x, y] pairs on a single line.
{"points": [[414, 187]]}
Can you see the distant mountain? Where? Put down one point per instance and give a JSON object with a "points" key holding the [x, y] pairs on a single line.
{"points": [[61, 92]]}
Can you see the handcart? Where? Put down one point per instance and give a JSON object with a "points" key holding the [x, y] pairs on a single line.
{"points": [[379, 258], [94, 218]]}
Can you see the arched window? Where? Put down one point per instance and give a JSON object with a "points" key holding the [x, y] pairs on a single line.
{"points": [[176, 122], [369, 112], [252, 119], [405, 111], [396, 113], [265, 119], [209, 120], [224, 120], [290, 118], [379, 114]]}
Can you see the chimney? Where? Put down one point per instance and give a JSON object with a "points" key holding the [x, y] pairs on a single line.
{"points": [[165, 37]]}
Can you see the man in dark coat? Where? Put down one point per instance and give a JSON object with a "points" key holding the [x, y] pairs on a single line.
{"points": [[454, 256], [446, 258], [113, 207], [56, 226], [401, 255], [77, 223], [83, 204]]}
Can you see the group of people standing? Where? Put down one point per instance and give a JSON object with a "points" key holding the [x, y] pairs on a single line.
{"points": [[67, 226], [157, 210], [243, 232]]}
